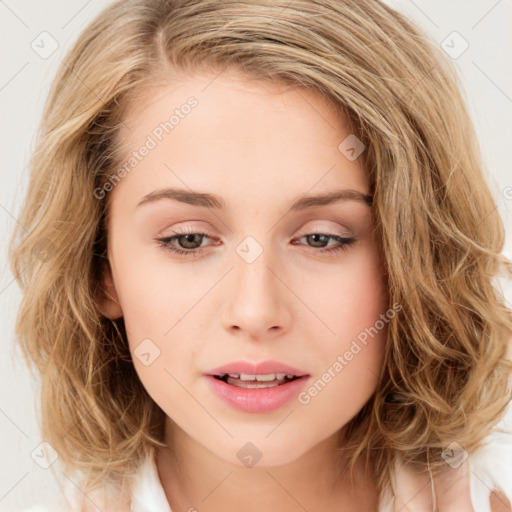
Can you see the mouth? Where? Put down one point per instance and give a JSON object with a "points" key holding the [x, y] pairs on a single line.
{"points": [[256, 393], [247, 381]]}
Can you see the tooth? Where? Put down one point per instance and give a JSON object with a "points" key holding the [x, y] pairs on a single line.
{"points": [[246, 376], [259, 378], [266, 378], [255, 385]]}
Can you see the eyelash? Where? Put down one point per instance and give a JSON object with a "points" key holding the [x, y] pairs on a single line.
{"points": [[166, 243]]}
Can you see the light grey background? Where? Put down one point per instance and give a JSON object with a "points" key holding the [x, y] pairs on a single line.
{"points": [[24, 83]]}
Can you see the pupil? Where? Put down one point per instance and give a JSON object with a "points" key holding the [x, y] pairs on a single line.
{"points": [[189, 239], [317, 237]]}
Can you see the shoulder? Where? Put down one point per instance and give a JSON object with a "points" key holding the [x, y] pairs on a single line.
{"points": [[499, 502], [141, 490], [105, 498], [480, 481], [36, 508], [491, 470], [88, 507]]}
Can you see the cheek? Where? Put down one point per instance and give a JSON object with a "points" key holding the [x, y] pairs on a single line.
{"points": [[349, 297], [155, 293], [155, 337], [160, 307], [351, 348]]}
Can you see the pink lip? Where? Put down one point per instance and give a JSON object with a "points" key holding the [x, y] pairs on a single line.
{"points": [[256, 400], [262, 368]]}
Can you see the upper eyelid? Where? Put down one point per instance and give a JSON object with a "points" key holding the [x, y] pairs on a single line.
{"points": [[319, 230], [329, 232], [178, 234]]}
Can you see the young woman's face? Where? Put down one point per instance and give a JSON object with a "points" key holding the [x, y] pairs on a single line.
{"points": [[259, 279]]}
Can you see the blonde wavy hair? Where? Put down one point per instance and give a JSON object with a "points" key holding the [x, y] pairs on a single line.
{"points": [[446, 375]]}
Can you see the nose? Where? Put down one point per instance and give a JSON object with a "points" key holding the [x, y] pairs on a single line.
{"points": [[257, 300]]}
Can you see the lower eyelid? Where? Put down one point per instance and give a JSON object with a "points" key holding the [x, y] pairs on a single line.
{"points": [[328, 235], [342, 244]]}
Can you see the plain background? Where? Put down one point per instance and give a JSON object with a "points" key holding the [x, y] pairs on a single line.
{"points": [[24, 83]]}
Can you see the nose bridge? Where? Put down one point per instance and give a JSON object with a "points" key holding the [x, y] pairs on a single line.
{"points": [[253, 275], [256, 301]]}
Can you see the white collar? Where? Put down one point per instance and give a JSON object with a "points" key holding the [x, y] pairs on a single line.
{"points": [[148, 494], [491, 467]]}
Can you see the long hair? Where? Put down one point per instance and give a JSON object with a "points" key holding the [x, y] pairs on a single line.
{"points": [[445, 375]]}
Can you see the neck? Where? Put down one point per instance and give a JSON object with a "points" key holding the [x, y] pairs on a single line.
{"points": [[195, 479]]}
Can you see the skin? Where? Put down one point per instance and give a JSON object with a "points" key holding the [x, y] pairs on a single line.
{"points": [[259, 146]]}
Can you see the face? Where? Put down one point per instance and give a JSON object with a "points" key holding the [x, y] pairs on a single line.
{"points": [[251, 270]]}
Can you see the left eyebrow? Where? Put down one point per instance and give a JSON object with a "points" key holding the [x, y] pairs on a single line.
{"points": [[212, 201], [331, 197]]}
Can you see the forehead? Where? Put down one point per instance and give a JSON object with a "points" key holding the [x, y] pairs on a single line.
{"points": [[245, 135]]}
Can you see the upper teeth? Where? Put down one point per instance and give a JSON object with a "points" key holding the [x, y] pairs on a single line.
{"points": [[263, 378]]}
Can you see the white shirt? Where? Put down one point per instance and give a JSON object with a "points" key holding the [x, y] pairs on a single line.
{"points": [[490, 466]]}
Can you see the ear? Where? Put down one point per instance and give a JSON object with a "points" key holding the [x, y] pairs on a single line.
{"points": [[109, 302]]}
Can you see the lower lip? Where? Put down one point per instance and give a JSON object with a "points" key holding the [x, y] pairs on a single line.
{"points": [[257, 400]]}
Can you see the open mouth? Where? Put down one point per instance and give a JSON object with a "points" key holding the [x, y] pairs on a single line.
{"points": [[256, 381], [259, 393]]}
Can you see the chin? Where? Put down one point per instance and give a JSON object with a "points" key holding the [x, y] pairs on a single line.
{"points": [[264, 452]]}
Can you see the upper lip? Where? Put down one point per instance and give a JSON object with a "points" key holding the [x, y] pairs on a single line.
{"points": [[249, 368]]}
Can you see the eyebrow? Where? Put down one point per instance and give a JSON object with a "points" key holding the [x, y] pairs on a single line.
{"points": [[212, 201]]}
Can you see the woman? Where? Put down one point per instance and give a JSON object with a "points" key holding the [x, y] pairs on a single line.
{"points": [[269, 252]]}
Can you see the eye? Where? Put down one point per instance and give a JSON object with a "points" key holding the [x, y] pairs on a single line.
{"points": [[321, 240], [189, 242]]}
